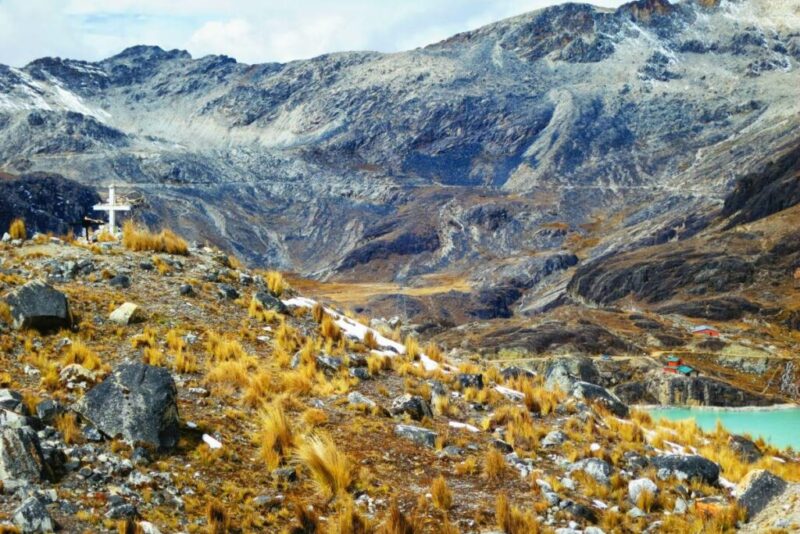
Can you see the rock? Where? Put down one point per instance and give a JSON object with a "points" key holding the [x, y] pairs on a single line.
{"points": [[136, 402], [553, 438], [48, 409], [692, 466], [33, 517], [579, 511], [470, 380], [757, 489], [141, 456], [268, 302], [287, 474], [15, 420], [516, 372], [122, 511], [77, 374], [680, 506], [598, 469], [331, 364], [227, 291], [186, 290], [414, 405], [126, 314], [640, 485], [563, 373], [121, 281], [745, 448], [634, 461], [502, 446], [362, 373], [599, 394], [39, 306], [357, 399], [419, 435], [11, 400], [21, 455], [636, 513]]}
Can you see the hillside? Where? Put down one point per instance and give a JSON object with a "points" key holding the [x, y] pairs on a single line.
{"points": [[259, 410]]}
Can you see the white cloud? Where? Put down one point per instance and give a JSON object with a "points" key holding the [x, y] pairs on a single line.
{"points": [[249, 30]]}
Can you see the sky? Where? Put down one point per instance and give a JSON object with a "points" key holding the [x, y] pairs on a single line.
{"points": [[252, 31]]}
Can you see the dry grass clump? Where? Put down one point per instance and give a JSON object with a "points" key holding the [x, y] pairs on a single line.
{"points": [[511, 520], [494, 465], [275, 435], [328, 328], [82, 355], [348, 520], [412, 348], [396, 522], [468, 467], [259, 313], [67, 426], [5, 313], [331, 469], [153, 356], [275, 283], [223, 349], [217, 517], [231, 372], [433, 352], [440, 494], [138, 239], [17, 229], [541, 400], [370, 341]]}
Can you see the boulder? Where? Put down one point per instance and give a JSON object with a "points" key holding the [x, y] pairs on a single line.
{"points": [[330, 364], [20, 455], [227, 291], [357, 399], [414, 405], [39, 306], [121, 281], [75, 374], [598, 469], [11, 400], [640, 485], [756, 490], [419, 435], [268, 302], [555, 437], [688, 466], [470, 380], [137, 402], [563, 373], [32, 517], [599, 394], [745, 448], [516, 372], [186, 290], [126, 314]]}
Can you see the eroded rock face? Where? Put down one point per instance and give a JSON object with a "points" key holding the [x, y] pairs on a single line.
{"points": [[20, 455], [756, 490], [599, 394], [413, 405], [136, 402], [39, 306], [669, 389], [32, 517]]}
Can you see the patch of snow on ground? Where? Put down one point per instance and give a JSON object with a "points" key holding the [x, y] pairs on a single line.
{"points": [[465, 426]]}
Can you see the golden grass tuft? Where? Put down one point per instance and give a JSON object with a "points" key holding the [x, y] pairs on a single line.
{"points": [[217, 518], [494, 465], [275, 435], [440, 494], [67, 426], [433, 352], [136, 238], [231, 372], [82, 355], [223, 349], [348, 520], [541, 400], [396, 522], [513, 521], [412, 348], [328, 328], [276, 283], [331, 469], [153, 356], [17, 229], [370, 341], [5, 313]]}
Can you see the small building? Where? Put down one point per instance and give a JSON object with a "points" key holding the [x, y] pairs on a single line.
{"points": [[688, 370], [673, 361], [705, 330]]}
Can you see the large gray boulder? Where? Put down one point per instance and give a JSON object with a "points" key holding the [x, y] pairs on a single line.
{"points": [[413, 405], [745, 448], [598, 469], [756, 490], [21, 456], [32, 517], [39, 306], [268, 302], [688, 466], [563, 373], [136, 402], [419, 435], [599, 394]]}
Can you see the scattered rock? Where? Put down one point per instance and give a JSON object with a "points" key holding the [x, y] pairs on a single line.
{"points": [[330, 364], [137, 402], [33, 517], [553, 438], [599, 394], [745, 448], [186, 290], [227, 291], [357, 399], [516, 372], [419, 435], [640, 485], [11, 400], [39, 306], [21, 455], [121, 281], [268, 302], [47, 410], [756, 490], [414, 405], [362, 373], [563, 373], [688, 466], [77, 375], [470, 380], [126, 314], [598, 469]]}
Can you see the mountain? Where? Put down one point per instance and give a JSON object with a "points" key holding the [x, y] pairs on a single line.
{"points": [[501, 157]]}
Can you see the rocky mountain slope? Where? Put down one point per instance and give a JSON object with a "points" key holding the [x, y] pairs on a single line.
{"points": [[507, 153], [142, 391]]}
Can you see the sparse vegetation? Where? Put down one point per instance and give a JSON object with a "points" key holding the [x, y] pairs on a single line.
{"points": [[330, 469], [137, 238], [17, 229]]}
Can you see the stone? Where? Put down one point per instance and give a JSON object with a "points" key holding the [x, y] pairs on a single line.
{"points": [[413, 405], [599, 394], [14, 420], [268, 302], [634, 461], [48, 409], [21, 455], [681, 506], [553, 438], [470, 380], [692, 466], [227, 291], [745, 448], [122, 511], [126, 314], [39, 306], [419, 435], [77, 374], [582, 512], [636, 512], [141, 456], [516, 372], [330, 364], [598, 469], [563, 373], [502, 446], [640, 485], [186, 290], [32, 517], [137, 402], [757, 489], [362, 373], [11, 400], [357, 399], [121, 281]]}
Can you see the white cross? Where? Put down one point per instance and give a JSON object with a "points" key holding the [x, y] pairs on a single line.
{"points": [[112, 208]]}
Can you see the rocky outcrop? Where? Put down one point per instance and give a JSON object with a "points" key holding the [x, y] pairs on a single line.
{"points": [[32, 517], [137, 402], [687, 467], [21, 455], [563, 373], [555, 337], [39, 306], [669, 389], [756, 490], [600, 395]]}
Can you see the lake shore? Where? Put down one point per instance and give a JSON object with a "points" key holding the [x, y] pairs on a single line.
{"points": [[785, 406]]}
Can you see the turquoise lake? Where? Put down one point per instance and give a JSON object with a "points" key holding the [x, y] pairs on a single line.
{"points": [[780, 427]]}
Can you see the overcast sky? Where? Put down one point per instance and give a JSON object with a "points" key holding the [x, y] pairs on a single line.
{"points": [[253, 31]]}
